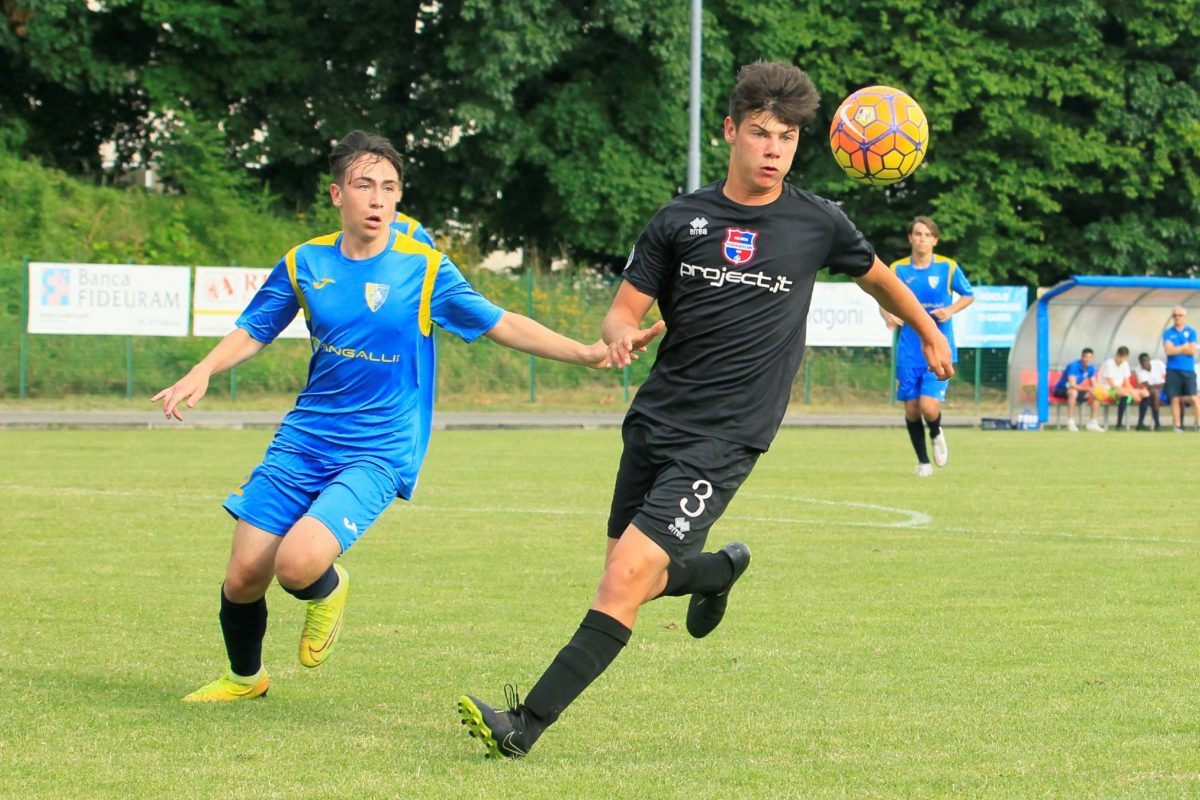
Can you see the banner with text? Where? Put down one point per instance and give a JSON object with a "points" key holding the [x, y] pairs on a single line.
{"points": [[993, 319], [222, 293], [113, 299], [843, 315]]}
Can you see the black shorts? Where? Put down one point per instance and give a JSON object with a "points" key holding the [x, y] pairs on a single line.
{"points": [[1084, 394], [673, 485], [1181, 383]]}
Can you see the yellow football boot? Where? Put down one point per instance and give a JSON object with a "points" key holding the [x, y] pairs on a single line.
{"points": [[323, 623], [225, 689]]}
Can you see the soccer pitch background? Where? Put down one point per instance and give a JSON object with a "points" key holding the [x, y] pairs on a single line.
{"points": [[1022, 624]]}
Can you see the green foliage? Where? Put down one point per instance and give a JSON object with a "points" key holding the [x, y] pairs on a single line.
{"points": [[1065, 136]]}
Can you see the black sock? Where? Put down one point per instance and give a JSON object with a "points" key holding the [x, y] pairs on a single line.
{"points": [[916, 432], [319, 589], [1142, 406], [243, 625], [596, 643], [707, 573], [1121, 401], [935, 427]]}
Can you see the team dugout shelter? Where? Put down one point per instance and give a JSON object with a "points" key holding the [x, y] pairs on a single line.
{"points": [[1099, 312]]}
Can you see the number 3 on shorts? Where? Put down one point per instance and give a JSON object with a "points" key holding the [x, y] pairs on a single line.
{"points": [[703, 490]]}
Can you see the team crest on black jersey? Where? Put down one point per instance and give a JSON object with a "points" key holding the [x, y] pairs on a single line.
{"points": [[376, 295], [739, 246]]}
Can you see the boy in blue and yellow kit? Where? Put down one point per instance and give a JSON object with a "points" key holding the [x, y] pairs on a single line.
{"points": [[934, 279], [360, 427]]}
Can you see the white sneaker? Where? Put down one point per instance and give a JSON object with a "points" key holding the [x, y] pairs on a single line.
{"points": [[923, 470], [1072, 427], [941, 453], [1094, 426]]}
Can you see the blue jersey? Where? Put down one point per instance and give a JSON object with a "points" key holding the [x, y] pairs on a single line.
{"points": [[935, 287], [408, 226], [1176, 337], [1076, 370], [369, 395]]}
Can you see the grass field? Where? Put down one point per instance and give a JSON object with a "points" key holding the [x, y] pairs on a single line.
{"points": [[1023, 624]]}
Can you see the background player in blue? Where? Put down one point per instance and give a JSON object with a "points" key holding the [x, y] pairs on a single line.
{"points": [[1075, 385], [732, 268], [358, 433], [934, 279], [1179, 342], [411, 228]]}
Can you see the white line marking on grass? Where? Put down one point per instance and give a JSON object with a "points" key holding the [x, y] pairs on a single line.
{"points": [[83, 491], [912, 519], [1068, 535]]}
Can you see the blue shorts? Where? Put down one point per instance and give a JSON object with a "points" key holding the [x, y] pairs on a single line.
{"points": [[915, 382], [288, 485]]}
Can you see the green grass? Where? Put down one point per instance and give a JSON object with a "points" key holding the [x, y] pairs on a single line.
{"points": [[1023, 624]]}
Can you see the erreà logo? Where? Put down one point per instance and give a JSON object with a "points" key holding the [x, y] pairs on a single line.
{"points": [[739, 246], [376, 295]]}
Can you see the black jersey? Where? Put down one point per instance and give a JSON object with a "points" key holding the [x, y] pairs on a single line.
{"points": [[734, 284]]}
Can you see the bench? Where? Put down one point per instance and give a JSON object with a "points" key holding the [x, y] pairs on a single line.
{"points": [[1029, 395]]}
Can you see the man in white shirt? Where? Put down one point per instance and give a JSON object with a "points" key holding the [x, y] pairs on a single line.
{"points": [[1114, 381], [1151, 376]]}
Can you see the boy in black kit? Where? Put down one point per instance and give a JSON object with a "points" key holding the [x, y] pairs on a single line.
{"points": [[732, 267]]}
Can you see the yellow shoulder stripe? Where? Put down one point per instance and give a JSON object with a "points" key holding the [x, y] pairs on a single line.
{"points": [[433, 260], [327, 240]]}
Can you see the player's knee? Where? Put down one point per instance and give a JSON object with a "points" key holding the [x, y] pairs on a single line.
{"points": [[298, 570], [245, 581], [629, 578]]}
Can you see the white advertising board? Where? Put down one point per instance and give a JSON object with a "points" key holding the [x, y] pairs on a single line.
{"points": [[115, 299], [222, 293], [843, 315]]}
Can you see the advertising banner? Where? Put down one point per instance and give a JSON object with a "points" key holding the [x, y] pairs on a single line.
{"points": [[222, 293], [993, 319], [114, 299], [843, 315]]}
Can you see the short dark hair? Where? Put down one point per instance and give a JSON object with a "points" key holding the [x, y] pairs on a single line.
{"points": [[1143, 355], [928, 223], [1087, 351], [359, 143], [783, 90], [1122, 350]]}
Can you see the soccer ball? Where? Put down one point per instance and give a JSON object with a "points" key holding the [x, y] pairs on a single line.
{"points": [[879, 135]]}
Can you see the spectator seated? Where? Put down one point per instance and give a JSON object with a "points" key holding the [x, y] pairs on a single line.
{"points": [[1029, 395]]}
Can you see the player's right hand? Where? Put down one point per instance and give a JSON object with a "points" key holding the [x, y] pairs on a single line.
{"points": [[188, 390]]}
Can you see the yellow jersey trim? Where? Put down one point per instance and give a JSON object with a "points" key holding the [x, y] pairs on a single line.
{"points": [[329, 240], [433, 260]]}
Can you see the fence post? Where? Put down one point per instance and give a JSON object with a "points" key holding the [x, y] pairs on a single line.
{"points": [[978, 373], [807, 376], [129, 368], [529, 313], [24, 356], [892, 376]]}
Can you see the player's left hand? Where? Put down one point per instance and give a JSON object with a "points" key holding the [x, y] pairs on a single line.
{"points": [[940, 314]]}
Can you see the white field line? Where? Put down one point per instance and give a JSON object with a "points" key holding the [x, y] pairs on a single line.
{"points": [[907, 518]]}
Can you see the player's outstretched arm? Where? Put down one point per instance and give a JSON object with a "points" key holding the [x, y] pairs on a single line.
{"points": [[529, 336], [896, 298], [235, 348], [621, 330]]}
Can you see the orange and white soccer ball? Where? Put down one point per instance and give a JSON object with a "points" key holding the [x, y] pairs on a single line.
{"points": [[879, 135]]}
